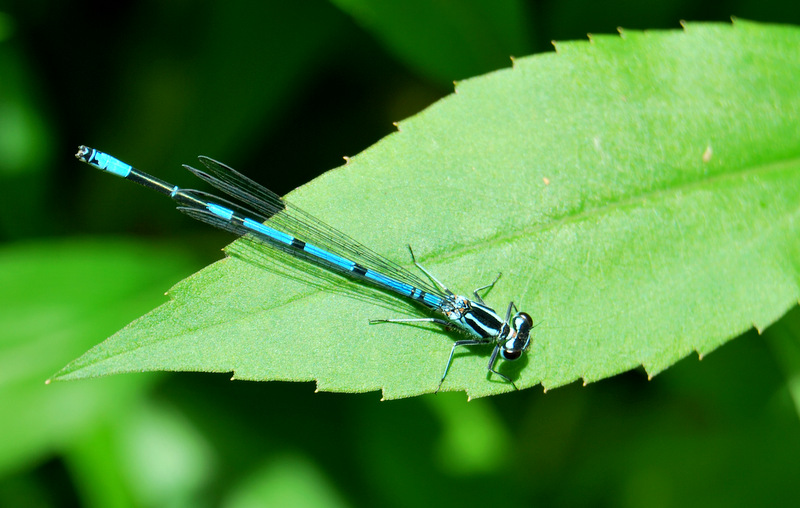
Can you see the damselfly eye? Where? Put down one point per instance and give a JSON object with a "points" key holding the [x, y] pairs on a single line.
{"points": [[513, 348], [510, 354], [522, 319]]}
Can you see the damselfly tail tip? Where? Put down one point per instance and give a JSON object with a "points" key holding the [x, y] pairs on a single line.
{"points": [[83, 151]]}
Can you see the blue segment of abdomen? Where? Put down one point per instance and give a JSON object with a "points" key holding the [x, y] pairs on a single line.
{"points": [[400, 287], [432, 300], [331, 258], [268, 231], [111, 164], [220, 211]]}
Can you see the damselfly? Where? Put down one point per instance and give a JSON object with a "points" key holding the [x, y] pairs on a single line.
{"points": [[275, 223]]}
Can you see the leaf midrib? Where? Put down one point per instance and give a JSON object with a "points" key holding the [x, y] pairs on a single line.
{"points": [[651, 195]]}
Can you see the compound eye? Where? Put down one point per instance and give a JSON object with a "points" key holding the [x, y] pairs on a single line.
{"points": [[522, 319], [510, 354]]}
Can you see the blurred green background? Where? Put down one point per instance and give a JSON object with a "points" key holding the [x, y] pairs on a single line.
{"points": [[283, 90]]}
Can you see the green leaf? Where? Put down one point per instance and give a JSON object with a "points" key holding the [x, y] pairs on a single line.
{"points": [[288, 480], [149, 456], [639, 193], [783, 341], [6, 26], [231, 81], [446, 40], [57, 297]]}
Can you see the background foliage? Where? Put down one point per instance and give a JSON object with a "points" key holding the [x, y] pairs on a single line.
{"points": [[287, 90]]}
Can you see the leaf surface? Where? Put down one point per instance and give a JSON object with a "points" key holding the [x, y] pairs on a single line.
{"points": [[639, 193]]}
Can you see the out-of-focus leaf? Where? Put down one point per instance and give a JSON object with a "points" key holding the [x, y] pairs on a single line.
{"points": [[287, 481], [57, 298], [446, 40]]}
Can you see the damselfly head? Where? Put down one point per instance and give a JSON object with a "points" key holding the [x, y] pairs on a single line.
{"points": [[520, 340]]}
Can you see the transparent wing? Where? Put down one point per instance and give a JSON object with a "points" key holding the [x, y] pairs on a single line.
{"points": [[265, 206], [290, 219]]}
